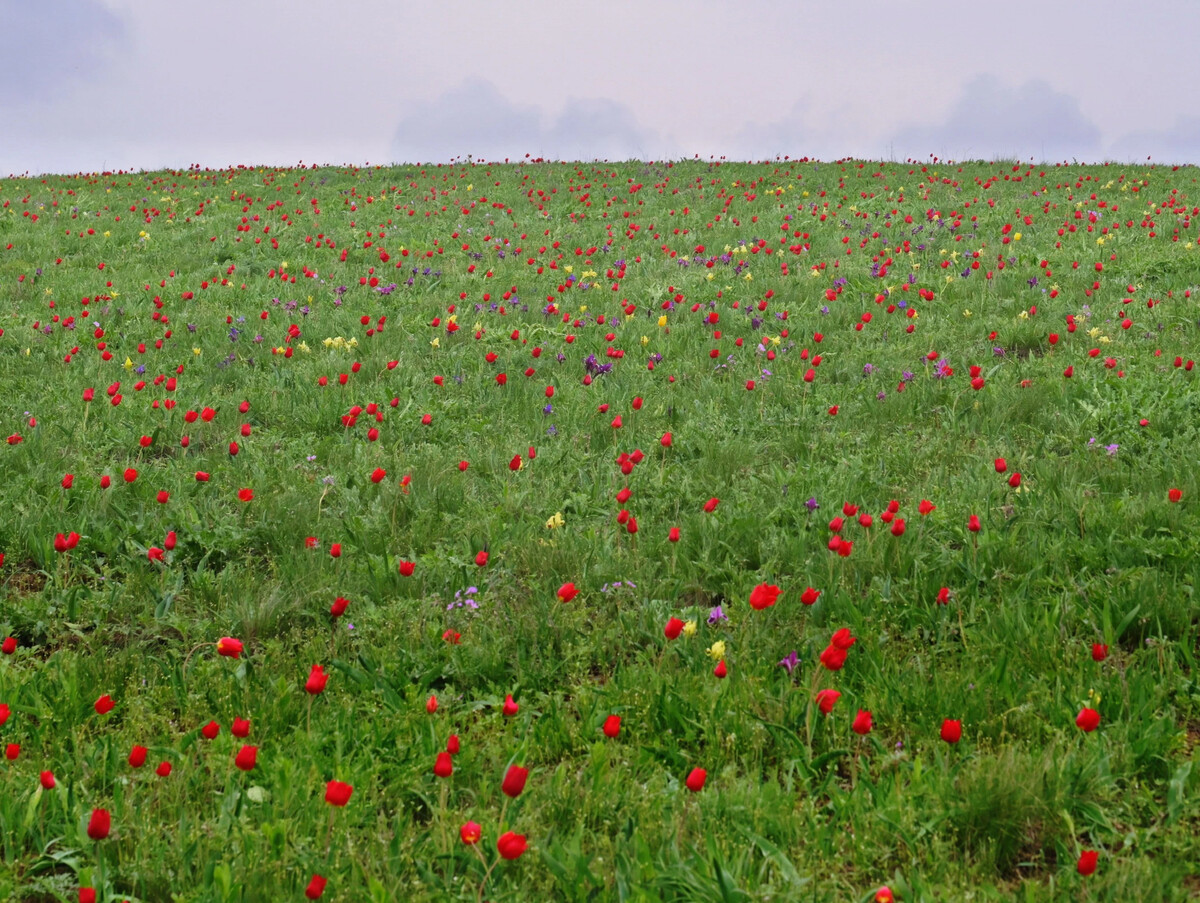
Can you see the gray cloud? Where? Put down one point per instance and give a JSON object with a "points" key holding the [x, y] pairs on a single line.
{"points": [[599, 127], [791, 134], [475, 118], [47, 45], [992, 120], [1180, 143]]}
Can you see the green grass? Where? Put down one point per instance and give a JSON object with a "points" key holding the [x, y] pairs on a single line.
{"points": [[797, 806]]}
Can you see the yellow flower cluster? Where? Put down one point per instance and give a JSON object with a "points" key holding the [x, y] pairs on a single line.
{"points": [[340, 344]]}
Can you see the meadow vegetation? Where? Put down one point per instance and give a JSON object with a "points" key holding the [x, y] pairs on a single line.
{"points": [[357, 492]]}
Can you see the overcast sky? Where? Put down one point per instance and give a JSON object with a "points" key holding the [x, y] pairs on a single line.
{"points": [[110, 84]]}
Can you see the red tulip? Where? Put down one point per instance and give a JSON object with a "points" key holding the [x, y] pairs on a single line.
{"points": [[1174, 495], [720, 671], [335, 550], [246, 758], [99, 824], [481, 559], [515, 464], [5, 712], [452, 744], [673, 629], [884, 895], [406, 568], [612, 726], [926, 507], [943, 596], [951, 730], [337, 793], [104, 705], [810, 595], [12, 751], [826, 700], [431, 704], [973, 523], [229, 647], [673, 535], [1001, 465], [9, 646], [862, 723], [240, 728], [137, 756], [711, 505], [510, 707], [245, 495], [843, 639], [833, 658], [1087, 862], [378, 474], [210, 730], [1015, 480], [666, 440], [443, 766], [1099, 652], [47, 780], [470, 833], [163, 770], [315, 888], [338, 608], [695, 780], [763, 596], [567, 592], [1087, 720], [514, 781], [898, 527], [130, 475], [510, 845], [317, 678]]}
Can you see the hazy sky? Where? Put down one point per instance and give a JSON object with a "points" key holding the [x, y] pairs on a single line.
{"points": [[109, 84]]}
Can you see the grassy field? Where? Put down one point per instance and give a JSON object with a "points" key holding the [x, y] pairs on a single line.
{"points": [[392, 482]]}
